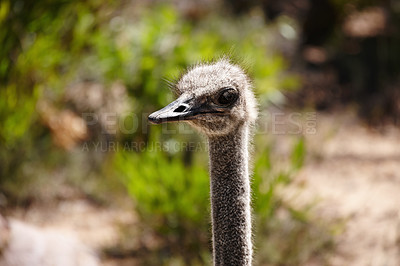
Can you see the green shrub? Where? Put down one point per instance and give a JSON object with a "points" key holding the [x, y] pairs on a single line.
{"points": [[171, 199]]}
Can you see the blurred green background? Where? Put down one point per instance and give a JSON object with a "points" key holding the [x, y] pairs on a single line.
{"points": [[78, 79]]}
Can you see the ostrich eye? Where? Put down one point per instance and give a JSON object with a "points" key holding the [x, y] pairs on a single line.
{"points": [[227, 96]]}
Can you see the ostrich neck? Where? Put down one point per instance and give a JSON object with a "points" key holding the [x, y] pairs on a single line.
{"points": [[230, 198]]}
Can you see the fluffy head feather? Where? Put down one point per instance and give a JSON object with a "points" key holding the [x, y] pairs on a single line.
{"points": [[204, 83]]}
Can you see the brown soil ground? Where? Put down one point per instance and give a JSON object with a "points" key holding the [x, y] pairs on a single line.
{"points": [[352, 174]]}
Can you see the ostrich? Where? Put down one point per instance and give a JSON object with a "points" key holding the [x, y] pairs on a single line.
{"points": [[217, 99]]}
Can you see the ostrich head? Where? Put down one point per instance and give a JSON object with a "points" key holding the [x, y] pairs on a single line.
{"points": [[215, 98]]}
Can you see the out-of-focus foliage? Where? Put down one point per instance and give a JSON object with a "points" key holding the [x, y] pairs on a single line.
{"points": [[50, 47], [172, 201], [348, 53], [283, 234]]}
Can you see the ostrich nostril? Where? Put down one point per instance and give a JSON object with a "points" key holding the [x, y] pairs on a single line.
{"points": [[181, 108]]}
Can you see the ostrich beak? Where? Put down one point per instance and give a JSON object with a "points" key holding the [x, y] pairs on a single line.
{"points": [[181, 109]]}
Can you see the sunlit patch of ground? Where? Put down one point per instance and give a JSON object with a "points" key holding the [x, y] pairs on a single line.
{"points": [[98, 227]]}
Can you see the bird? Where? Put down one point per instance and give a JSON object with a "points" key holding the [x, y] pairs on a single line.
{"points": [[217, 99]]}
